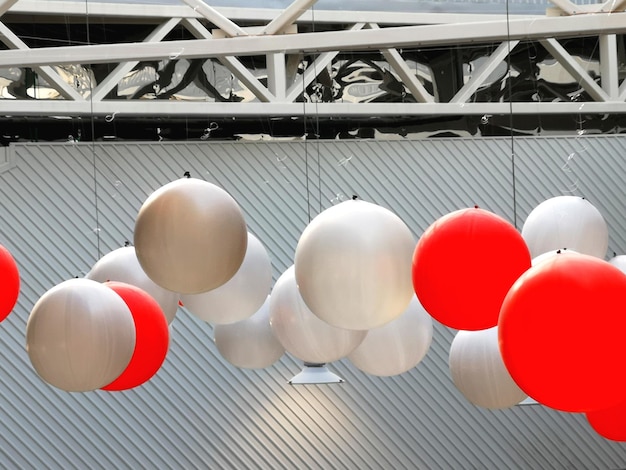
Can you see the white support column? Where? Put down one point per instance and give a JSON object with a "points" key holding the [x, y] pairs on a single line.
{"points": [[574, 68], [292, 64], [215, 17], [48, 73], [481, 75], [287, 16], [232, 63], [608, 65], [277, 75], [408, 78], [314, 70], [121, 70], [5, 5]]}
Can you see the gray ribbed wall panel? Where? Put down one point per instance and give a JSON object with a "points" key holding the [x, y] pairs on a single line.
{"points": [[200, 412]]}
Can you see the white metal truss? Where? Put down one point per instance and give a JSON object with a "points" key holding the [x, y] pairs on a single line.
{"points": [[295, 60]]}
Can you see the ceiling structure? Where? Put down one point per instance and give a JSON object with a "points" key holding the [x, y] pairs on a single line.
{"points": [[188, 69]]}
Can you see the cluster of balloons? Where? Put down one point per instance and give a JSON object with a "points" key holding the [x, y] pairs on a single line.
{"points": [[569, 304], [9, 283], [110, 330], [349, 293], [191, 238], [539, 312], [84, 335], [463, 267], [239, 311]]}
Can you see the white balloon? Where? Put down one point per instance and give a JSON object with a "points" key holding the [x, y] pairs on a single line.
{"points": [[478, 370], [551, 254], [190, 236], [397, 346], [619, 261], [303, 334], [80, 336], [250, 343], [566, 222], [122, 265], [353, 265], [242, 295]]}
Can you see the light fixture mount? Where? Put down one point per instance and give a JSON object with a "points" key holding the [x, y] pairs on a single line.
{"points": [[315, 374]]}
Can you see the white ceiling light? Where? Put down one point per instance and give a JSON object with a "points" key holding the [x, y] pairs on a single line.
{"points": [[315, 374]]}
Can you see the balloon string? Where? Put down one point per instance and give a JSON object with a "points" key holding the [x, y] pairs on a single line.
{"points": [[93, 142], [510, 87], [317, 121], [316, 130], [306, 151]]}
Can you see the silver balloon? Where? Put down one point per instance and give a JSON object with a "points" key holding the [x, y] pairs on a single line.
{"points": [[397, 346], [566, 222], [250, 343], [190, 236], [551, 254], [122, 265], [303, 334], [353, 265], [619, 261], [80, 336], [242, 295], [478, 370]]}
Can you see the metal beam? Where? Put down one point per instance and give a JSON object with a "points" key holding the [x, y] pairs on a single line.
{"points": [[247, 78], [571, 8], [123, 11], [112, 79], [288, 16], [5, 5], [567, 61], [408, 78], [416, 36], [481, 75], [622, 92], [309, 74], [232, 63], [215, 17], [160, 108], [609, 73], [313, 70], [277, 75], [48, 73], [610, 6], [566, 6]]}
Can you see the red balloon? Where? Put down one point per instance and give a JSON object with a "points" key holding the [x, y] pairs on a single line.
{"points": [[152, 340], [610, 423], [561, 333], [9, 283], [463, 266]]}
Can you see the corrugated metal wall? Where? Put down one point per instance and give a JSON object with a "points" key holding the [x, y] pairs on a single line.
{"points": [[64, 205]]}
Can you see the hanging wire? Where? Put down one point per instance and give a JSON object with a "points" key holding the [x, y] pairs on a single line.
{"points": [[532, 63], [317, 121], [510, 87], [306, 151], [568, 166], [93, 141]]}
